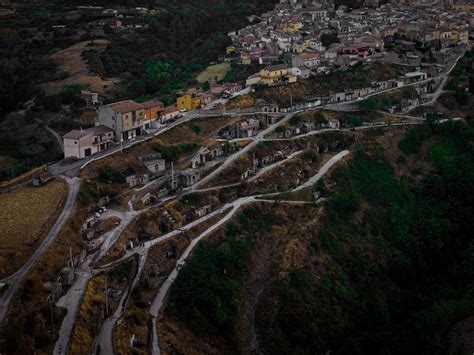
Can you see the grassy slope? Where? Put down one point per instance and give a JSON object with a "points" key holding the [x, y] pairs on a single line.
{"points": [[25, 217]]}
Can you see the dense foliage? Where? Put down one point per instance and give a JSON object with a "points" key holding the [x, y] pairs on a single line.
{"points": [[206, 293], [181, 40], [399, 275]]}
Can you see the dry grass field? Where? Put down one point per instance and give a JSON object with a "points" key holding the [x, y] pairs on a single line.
{"points": [[214, 73], [26, 215], [70, 61]]}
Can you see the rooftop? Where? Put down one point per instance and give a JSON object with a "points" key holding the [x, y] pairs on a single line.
{"points": [[125, 106], [80, 133], [151, 103]]}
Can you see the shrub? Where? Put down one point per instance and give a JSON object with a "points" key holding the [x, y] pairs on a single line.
{"points": [[294, 120], [108, 174], [174, 152], [413, 139], [354, 121]]}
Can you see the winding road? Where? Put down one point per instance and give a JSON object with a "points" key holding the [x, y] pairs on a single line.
{"points": [[235, 206], [72, 300], [15, 279]]}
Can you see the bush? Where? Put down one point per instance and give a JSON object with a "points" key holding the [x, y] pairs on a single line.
{"points": [[413, 139], [319, 118], [196, 129], [294, 120], [354, 121], [461, 97], [108, 175], [174, 152]]}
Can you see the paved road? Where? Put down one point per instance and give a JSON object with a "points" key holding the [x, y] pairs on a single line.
{"points": [[267, 168], [235, 206], [324, 130], [440, 89], [323, 170], [348, 105], [74, 168], [255, 140], [105, 338], [72, 299], [159, 299], [15, 280]]}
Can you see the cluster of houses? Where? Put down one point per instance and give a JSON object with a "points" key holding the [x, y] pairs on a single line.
{"points": [[248, 127], [258, 164], [190, 102], [116, 122], [310, 37], [124, 120], [307, 126]]}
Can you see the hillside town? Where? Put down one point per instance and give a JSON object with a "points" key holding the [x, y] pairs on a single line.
{"points": [[298, 40], [254, 215], [312, 37]]}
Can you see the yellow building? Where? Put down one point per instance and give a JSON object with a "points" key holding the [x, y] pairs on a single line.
{"points": [[463, 6], [230, 50], [292, 26], [273, 73], [187, 102], [245, 58], [292, 79], [460, 36]]}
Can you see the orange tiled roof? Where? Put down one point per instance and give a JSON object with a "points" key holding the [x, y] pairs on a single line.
{"points": [[125, 106]]}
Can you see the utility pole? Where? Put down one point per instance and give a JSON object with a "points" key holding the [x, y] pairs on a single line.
{"points": [[106, 298], [52, 318], [70, 257], [98, 194], [26, 228], [172, 176]]}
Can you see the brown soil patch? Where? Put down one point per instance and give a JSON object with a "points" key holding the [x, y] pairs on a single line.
{"points": [[70, 61]]}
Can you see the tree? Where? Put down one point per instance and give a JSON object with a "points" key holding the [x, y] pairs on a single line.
{"points": [[354, 121], [329, 38], [206, 86], [461, 96]]}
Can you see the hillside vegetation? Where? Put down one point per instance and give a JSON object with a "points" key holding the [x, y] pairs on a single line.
{"points": [[392, 264], [386, 266]]}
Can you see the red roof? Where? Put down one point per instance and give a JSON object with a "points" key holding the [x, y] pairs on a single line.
{"points": [[125, 106], [310, 55]]}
